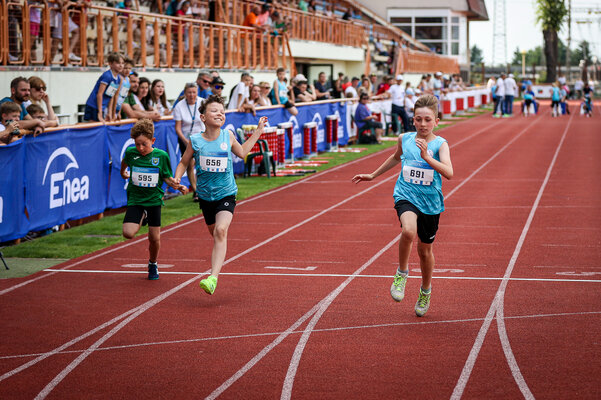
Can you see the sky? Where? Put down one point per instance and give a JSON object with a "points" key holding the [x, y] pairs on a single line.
{"points": [[523, 32]]}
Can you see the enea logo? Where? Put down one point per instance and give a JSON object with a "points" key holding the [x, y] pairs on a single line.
{"points": [[64, 191], [320, 128], [297, 138]]}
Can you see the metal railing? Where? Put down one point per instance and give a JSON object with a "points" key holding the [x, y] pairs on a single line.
{"points": [[30, 36]]}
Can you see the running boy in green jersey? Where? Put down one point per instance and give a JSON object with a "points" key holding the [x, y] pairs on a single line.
{"points": [[149, 168], [418, 197]]}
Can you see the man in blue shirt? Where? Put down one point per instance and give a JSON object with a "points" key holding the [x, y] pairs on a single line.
{"points": [[365, 121]]}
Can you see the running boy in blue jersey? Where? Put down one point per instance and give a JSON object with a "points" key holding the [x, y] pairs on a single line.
{"points": [[418, 197], [106, 87], [215, 184], [149, 168]]}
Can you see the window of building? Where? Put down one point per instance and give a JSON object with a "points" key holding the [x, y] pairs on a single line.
{"points": [[440, 33]]}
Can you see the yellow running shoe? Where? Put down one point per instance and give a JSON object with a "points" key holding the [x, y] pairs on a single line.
{"points": [[423, 303], [209, 284]]}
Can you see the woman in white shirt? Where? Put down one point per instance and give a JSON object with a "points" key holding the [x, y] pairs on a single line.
{"points": [[158, 99], [188, 123]]}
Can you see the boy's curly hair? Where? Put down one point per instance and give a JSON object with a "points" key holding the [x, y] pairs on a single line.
{"points": [[143, 127], [427, 101], [214, 98]]}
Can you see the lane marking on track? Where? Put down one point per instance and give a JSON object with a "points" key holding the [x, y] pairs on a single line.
{"points": [[322, 330], [497, 306], [191, 221], [151, 303], [145, 265], [292, 268], [475, 278], [136, 311]]}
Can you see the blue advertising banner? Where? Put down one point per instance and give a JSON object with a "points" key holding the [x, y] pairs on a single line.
{"points": [[66, 176], [13, 223], [119, 140]]}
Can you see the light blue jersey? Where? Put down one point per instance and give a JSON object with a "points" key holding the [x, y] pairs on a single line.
{"points": [[214, 169], [418, 182], [556, 95]]}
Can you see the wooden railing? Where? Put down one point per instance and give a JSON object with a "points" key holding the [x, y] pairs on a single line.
{"points": [[151, 40]]}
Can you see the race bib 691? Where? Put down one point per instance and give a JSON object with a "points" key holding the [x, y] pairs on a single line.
{"points": [[418, 172]]}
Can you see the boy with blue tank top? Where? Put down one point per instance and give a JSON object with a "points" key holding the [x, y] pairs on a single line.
{"points": [[106, 87], [280, 92], [418, 198], [215, 184]]}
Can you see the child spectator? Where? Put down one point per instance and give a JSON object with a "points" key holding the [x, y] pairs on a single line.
{"points": [[149, 168], [280, 92], [240, 93], [302, 92], [39, 96], [37, 112], [20, 90], [158, 99], [9, 128], [117, 101], [217, 86], [105, 89]]}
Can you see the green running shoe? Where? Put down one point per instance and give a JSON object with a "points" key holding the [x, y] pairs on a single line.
{"points": [[209, 284], [397, 290], [423, 303]]}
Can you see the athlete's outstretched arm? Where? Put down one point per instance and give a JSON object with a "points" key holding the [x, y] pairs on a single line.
{"points": [[390, 162], [242, 150]]}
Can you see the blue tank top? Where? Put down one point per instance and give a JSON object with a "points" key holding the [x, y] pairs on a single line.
{"points": [[418, 182], [282, 92], [555, 96], [214, 170]]}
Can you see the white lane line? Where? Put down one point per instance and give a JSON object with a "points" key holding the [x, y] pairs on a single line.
{"points": [[140, 309], [475, 278], [294, 362], [321, 330], [498, 303], [193, 220]]}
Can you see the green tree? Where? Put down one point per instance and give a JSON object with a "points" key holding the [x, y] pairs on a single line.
{"points": [[476, 55], [551, 15]]}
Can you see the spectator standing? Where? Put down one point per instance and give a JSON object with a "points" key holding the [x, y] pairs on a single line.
{"points": [[437, 85], [578, 86], [511, 90], [157, 99], [132, 106], [322, 87], [397, 94], [117, 101], [240, 93], [302, 92], [188, 123], [351, 90], [251, 18], [280, 90], [409, 102], [264, 17], [500, 95], [337, 87], [348, 15], [365, 120], [303, 5], [104, 90], [20, 91], [217, 86], [365, 86], [265, 88], [385, 85], [38, 95], [373, 80]]}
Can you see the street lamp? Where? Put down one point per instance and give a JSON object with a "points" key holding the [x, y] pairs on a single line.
{"points": [[523, 64]]}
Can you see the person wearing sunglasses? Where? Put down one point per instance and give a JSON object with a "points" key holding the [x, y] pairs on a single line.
{"points": [[217, 86], [39, 96]]}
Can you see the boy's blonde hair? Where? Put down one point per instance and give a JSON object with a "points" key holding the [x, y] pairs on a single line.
{"points": [[427, 101], [143, 127]]}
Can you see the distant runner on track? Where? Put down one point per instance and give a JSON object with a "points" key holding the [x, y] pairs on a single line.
{"points": [[149, 168], [215, 184], [418, 195]]}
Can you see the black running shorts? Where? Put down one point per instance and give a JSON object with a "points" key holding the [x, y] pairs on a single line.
{"points": [[427, 225]]}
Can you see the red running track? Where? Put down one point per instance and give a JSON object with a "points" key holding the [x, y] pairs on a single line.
{"points": [[303, 308]]}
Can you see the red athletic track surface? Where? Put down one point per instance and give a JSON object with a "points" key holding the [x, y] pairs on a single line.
{"points": [[516, 303]]}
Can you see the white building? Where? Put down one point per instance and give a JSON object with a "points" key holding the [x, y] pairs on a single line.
{"points": [[442, 25]]}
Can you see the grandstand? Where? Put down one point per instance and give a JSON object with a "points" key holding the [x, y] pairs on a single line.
{"points": [[65, 43]]}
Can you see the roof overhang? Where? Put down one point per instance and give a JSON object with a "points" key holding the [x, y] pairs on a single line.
{"points": [[477, 10]]}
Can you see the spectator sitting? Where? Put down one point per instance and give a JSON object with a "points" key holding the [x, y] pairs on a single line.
{"points": [[280, 25], [302, 92], [380, 48], [240, 93], [251, 18], [265, 88], [39, 96], [157, 98], [348, 15], [20, 90], [365, 120], [125, 5], [303, 5], [385, 85], [352, 88], [132, 106], [217, 86], [105, 88], [322, 87]]}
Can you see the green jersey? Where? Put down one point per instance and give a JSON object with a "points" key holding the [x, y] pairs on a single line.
{"points": [[146, 174]]}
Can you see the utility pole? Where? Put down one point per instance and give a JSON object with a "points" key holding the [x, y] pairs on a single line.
{"points": [[569, 40]]}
